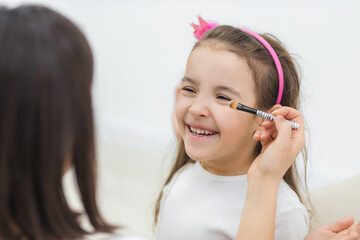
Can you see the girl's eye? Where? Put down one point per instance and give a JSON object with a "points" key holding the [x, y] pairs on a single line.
{"points": [[222, 97], [188, 89]]}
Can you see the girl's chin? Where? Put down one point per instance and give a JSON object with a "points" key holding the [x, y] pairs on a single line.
{"points": [[198, 157], [200, 151]]}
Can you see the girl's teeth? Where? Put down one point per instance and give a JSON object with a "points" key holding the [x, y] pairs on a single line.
{"points": [[201, 132]]}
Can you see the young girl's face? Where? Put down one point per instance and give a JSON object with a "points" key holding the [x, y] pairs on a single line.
{"points": [[211, 130]]}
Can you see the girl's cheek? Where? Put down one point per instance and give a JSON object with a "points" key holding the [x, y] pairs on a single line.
{"points": [[183, 103], [224, 120], [232, 120], [180, 111]]}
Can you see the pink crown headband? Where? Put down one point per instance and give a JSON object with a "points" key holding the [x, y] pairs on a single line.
{"points": [[199, 30]]}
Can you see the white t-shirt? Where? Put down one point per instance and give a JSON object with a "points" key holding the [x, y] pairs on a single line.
{"points": [[199, 205]]}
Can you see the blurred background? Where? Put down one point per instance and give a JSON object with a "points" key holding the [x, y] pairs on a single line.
{"points": [[140, 50]]}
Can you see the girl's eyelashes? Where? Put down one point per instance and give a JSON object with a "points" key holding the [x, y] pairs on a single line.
{"points": [[188, 89], [223, 97]]}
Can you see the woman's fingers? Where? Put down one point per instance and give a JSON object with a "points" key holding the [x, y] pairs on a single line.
{"points": [[341, 224], [288, 113], [281, 133], [267, 123], [265, 136], [357, 229], [268, 134], [284, 131], [267, 130], [297, 136], [353, 236], [264, 140], [257, 135]]}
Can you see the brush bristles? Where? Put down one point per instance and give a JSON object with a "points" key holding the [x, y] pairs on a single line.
{"points": [[233, 104]]}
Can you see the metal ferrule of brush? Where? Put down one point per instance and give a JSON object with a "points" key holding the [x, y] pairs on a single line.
{"points": [[272, 118]]}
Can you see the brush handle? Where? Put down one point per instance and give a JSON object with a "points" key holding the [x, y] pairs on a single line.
{"points": [[272, 118]]}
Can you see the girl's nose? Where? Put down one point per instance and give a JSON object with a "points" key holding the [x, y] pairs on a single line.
{"points": [[199, 108]]}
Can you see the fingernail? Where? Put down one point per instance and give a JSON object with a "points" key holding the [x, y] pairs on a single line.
{"points": [[262, 136]]}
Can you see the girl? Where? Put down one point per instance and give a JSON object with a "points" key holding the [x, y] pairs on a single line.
{"points": [[206, 189], [46, 126]]}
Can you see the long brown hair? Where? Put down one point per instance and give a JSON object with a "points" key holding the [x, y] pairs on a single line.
{"points": [[46, 121], [266, 84]]}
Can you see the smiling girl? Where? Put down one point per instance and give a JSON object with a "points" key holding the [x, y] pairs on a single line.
{"points": [[205, 193]]}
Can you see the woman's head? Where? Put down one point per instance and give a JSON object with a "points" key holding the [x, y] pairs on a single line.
{"points": [[46, 71]]}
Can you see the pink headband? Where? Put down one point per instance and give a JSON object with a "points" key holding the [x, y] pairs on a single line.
{"points": [[199, 30]]}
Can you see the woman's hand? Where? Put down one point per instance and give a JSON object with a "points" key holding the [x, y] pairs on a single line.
{"points": [[342, 229], [280, 145]]}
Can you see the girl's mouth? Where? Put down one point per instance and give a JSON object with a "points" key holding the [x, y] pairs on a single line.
{"points": [[201, 132]]}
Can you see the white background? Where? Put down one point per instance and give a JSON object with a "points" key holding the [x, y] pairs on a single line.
{"points": [[141, 47]]}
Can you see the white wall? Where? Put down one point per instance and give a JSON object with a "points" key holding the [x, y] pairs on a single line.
{"points": [[141, 47]]}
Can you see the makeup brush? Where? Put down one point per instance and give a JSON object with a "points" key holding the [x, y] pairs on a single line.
{"points": [[241, 107]]}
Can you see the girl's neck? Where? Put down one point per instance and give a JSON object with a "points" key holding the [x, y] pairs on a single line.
{"points": [[229, 167]]}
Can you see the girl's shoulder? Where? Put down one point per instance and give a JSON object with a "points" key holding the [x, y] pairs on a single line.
{"points": [[188, 167], [288, 200], [292, 217], [183, 170]]}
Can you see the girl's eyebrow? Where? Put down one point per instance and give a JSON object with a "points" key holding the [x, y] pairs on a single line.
{"points": [[190, 80], [228, 89]]}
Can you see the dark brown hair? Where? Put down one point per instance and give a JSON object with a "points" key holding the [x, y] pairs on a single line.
{"points": [[46, 121], [266, 81]]}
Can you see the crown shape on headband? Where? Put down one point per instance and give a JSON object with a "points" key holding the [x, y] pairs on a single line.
{"points": [[199, 30]]}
